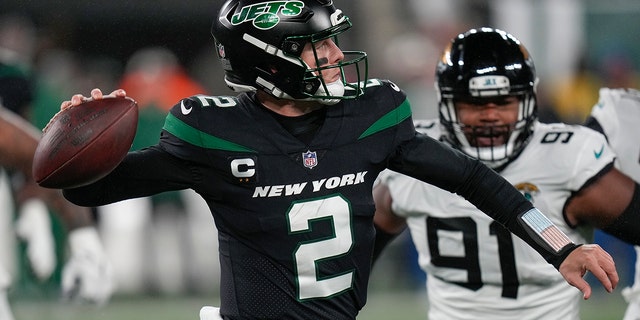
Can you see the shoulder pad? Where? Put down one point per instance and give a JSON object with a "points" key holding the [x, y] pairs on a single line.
{"points": [[373, 83], [430, 127]]}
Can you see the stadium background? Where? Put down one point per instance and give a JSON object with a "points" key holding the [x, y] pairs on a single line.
{"points": [[570, 40]]}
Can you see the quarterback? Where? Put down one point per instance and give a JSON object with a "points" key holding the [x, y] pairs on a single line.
{"points": [[288, 165], [475, 267]]}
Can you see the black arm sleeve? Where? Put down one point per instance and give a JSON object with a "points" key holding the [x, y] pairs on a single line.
{"points": [[382, 240], [141, 173], [435, 163], [593, 123], [626, 226]]}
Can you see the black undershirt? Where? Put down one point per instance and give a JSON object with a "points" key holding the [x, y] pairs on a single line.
{"points": [[303, 127]]}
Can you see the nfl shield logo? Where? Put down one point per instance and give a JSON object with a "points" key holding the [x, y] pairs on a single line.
{"points": [[310, 159]]}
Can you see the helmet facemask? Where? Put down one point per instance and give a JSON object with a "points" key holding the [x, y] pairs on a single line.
{"points": [[332, 92], [351, 83], [478, 66], [506, 140]]}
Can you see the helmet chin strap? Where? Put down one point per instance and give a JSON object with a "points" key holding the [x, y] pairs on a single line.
{"points": [[335, 89]]}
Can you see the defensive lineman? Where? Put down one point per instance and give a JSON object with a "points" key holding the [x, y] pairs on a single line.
{"points": [[488, 110]]}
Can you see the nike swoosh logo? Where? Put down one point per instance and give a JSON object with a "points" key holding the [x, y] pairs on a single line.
{"points": [[599, 153], [184, 109]]}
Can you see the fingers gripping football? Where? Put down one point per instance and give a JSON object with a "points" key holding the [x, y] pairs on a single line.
{"points": [[96, 94], [85, 140], [78, 99]]}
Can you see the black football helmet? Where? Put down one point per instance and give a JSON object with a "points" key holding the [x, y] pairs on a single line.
{"points": [[259, 44], [483, 63]]}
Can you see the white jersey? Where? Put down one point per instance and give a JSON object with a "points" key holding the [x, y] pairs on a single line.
{"points": [[476, 269], [618, 113]]}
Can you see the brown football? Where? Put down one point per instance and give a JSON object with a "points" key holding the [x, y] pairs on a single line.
{"points": [[84, 143]]}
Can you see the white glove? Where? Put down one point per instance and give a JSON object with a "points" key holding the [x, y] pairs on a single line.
{"points": [[88, 274], [34, 227], [210, 313]]}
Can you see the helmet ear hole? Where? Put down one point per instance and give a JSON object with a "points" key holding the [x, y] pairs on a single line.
{"points": [[293, 48], [310, 86]]}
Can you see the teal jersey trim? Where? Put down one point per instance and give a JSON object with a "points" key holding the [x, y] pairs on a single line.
{"points": [[198, 138], [397, 115]]}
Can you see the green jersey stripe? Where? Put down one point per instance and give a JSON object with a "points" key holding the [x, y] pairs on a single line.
{"points": [[198, 138], [397, 115]]}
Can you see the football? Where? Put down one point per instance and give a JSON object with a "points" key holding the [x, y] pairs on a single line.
{"points": [[83, 143]]}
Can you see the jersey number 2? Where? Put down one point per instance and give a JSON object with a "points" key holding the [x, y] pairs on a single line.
{"points": [[312, 284]]}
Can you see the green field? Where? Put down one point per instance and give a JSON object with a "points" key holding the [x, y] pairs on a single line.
{"points": [[381, 306]]}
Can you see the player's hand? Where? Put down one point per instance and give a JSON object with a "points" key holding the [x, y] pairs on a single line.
{"points": [[96, 94], [34, 227], [88, 275], [78, 99], [592, 258]]}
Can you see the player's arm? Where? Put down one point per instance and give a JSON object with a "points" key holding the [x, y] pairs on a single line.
{"points": [[610, 202], [18, 142], [388, 225], [141, 173], [432, 162]]}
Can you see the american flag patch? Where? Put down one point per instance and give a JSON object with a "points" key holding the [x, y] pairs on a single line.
{"points": [[549, 232], [310, 159]]}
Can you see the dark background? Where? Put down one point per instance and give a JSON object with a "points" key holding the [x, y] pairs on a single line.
{"points": [[117, 27]]}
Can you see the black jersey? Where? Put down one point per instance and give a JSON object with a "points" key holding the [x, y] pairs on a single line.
{"points": [[295, 220]]}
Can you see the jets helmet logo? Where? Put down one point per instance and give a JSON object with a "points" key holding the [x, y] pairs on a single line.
{"points": [[265, 14]]}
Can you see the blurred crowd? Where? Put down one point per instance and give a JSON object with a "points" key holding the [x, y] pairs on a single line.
{"points": [[168, 244], [162, 244]]}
